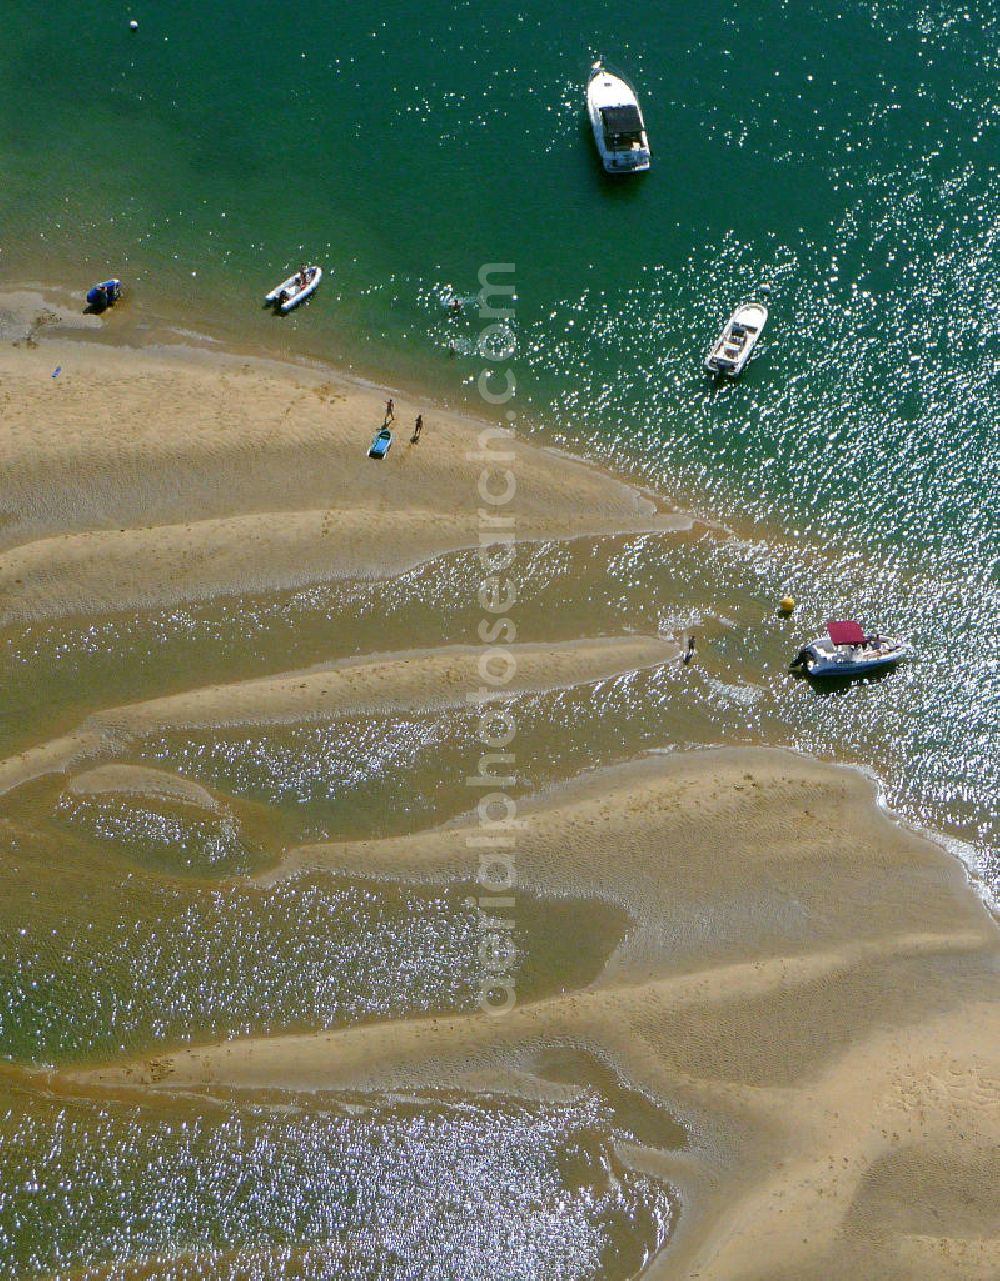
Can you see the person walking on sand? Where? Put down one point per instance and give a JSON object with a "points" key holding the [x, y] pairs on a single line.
{"points": [[690, 652], [417, 429], [390, 410]]}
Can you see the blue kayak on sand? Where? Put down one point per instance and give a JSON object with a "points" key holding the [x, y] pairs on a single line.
{"points": [[106, 294], [381, 443]]}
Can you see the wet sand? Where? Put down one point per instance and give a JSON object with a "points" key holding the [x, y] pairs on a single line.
{"points": [[808, 988]]}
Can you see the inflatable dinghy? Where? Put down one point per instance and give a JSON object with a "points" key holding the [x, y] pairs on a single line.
{"points": [[295, 289]]}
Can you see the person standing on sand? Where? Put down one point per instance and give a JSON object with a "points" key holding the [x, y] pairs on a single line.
{"points": [[690, 652], [417, 428], [390, 410]]}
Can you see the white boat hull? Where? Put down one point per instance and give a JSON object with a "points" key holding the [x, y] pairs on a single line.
{"points": [[734, 346], [626, 151], [295, 291], [822, 658]]}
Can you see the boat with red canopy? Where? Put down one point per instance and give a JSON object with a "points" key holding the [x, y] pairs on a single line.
{"points": [[847, 650]]}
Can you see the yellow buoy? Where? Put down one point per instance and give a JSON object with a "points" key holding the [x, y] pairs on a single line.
{"points": [[787, 604]]}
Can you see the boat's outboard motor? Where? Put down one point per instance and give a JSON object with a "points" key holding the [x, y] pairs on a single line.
{"points": [[801, 659]]}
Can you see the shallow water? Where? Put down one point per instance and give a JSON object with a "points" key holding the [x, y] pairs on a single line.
{"points": [[372, 777], [371, 1187], [107, 950], [167, 837]]}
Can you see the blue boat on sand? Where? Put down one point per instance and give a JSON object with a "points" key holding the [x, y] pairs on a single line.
{"points": [[381, 443], [104, 295]]}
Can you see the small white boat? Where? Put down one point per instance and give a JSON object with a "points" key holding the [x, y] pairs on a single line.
{"points": [[734, 346], [295, 290], [847, 651], [616, 119]]}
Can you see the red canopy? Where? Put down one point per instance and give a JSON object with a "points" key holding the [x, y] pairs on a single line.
{"points": [[846, 633]]}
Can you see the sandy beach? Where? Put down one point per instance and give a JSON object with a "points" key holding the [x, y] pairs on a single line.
{"points": [[806, 991], [149, 477]]}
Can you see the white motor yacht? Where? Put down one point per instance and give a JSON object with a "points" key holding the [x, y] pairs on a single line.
{"points": [[734, 346], [616, 118]]}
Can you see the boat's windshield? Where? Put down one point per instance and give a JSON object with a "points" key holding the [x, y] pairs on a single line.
{"points": [[622, 125]]}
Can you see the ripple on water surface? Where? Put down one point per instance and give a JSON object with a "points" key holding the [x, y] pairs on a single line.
{"points": [[164, 837], [94, 963], [368, 1188], [155, 962]]}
